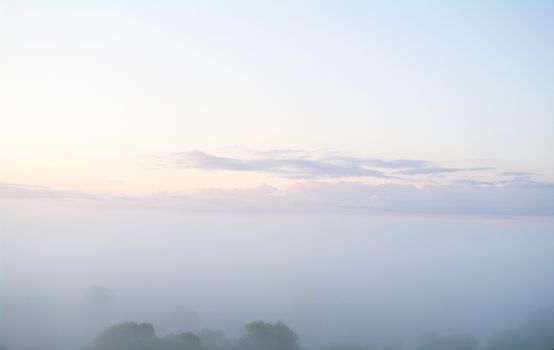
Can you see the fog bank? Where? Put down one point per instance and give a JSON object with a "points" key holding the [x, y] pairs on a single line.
{"points": [[68, 273]]}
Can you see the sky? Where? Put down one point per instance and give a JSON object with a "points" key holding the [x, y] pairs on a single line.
{"points": [[102, 97]]}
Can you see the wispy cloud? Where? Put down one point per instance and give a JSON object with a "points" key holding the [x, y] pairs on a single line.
{"points": [[527, 183], [298, 164], [285, 164], [517, 173], [323, 164], [10, 190], [465, 190], [331, 182], [431, 170]]}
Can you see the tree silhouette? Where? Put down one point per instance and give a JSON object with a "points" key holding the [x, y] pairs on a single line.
{"points": [[133, 336], [266, 336], [183, 341], [214, 340], [128, 336]]}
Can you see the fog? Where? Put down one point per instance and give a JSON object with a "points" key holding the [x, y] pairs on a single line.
{"points": [[339, 280]]}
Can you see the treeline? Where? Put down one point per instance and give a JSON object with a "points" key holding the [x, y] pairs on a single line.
{"points": [[536, 333], [259, 336]]}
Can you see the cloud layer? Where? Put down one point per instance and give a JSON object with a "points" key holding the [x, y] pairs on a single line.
{"points": [[10, 190], [287, 164], [329, 181], [313, 165], [328, 196]]}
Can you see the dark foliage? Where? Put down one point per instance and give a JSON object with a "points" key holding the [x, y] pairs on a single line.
{"points": [[266, 336], [128, 336], [183, 341]]}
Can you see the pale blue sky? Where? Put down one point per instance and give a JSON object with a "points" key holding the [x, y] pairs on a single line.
{"points": [[93, 90]]}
